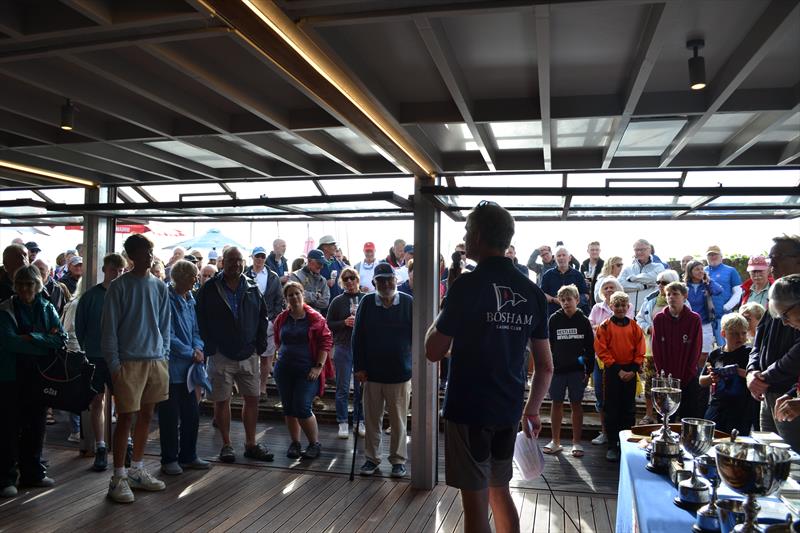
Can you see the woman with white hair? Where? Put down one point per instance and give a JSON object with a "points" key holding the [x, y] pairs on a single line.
{"points": [[784, 304], [600, 312], [29, 328]]}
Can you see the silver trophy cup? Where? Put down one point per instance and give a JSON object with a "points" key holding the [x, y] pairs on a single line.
{"points": [[697, 435], [707, 519], [752, 470]]}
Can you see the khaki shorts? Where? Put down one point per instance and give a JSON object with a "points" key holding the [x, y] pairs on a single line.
{"points": [[223, 372], [477, 457], [140, 383], [270, 351], [649, 371]]}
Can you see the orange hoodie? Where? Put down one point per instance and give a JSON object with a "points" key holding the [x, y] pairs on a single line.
{"points": [[615, 344]]}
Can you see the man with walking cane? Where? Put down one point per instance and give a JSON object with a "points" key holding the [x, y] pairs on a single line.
{"points": [[489, 317], [382, 363]]}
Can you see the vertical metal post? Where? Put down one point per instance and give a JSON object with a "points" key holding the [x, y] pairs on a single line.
{"points": [[425, 403], [98, 240]]}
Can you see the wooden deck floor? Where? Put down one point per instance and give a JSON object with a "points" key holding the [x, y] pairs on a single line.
{"points": [[242, 498]]}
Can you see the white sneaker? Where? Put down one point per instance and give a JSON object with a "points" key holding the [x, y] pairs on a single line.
{"points": [[119, 490], [362, 431], [74, 437], [388, 430], [600, 439], [344, 430], [140, 478]]}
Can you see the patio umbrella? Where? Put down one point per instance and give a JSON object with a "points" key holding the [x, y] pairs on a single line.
{"points": [[212, 239]]}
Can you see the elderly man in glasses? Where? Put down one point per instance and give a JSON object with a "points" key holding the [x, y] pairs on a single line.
{"points": [[639, 278], [775, 360]]}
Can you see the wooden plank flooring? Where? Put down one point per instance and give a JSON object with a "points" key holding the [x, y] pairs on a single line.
{"points": [[589, 475], [242, 498]]}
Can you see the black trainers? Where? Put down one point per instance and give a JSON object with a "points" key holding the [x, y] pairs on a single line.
{"points": [[258, 452], [128, 455], [312, 451], [399, 470], [100, 459], [226, 454], [294, 450]]}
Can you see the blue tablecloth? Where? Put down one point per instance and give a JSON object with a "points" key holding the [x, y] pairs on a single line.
{"points": [[650, 496]]}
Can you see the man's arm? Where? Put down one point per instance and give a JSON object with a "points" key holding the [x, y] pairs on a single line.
{"points": [[532, 261], [629, 285], [542, 374], [733, 301], [437, 344], [109, 341], [81, 321], [165, 323], [787, 367]]}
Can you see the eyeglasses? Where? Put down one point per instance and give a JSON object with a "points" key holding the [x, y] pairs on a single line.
{"points": [[663, 283], [462, 252], [618, 265], [348, 278], [785, 315]]}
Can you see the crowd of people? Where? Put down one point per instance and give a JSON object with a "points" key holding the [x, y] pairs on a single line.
{"points": [[162, 334]]}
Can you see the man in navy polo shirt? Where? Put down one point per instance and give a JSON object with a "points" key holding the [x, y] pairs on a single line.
{"points": [[489, 316]]}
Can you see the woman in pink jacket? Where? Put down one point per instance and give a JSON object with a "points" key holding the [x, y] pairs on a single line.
{"points": [[303, 341]]}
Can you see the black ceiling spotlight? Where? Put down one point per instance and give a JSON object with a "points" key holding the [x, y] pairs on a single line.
{"points": [[697, 65], [67, 115]]}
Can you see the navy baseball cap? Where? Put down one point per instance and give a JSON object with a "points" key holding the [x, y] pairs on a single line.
{"points": [[383, 270], [409, 249], [32, 246], [316, 255]]}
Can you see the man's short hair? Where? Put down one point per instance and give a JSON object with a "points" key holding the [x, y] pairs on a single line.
{"points": [[619, 297], [791, 240], [10, 248], [398, 242], [677, 286], [135, 242], [568, 290], [229, 250], [29, 274], [642, 241], [561, 248], [733, 321], [183, 269], [115, 261], [784, 294], [594, 243], [494, 224]]}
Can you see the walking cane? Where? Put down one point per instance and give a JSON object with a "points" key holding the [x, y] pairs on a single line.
{"points": [[356, 414]]}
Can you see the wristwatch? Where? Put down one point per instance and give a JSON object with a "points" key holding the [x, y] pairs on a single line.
{"points": [[318, 365]]}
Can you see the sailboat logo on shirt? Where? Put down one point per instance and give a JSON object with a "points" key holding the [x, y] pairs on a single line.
{"points": [[506, 296]]}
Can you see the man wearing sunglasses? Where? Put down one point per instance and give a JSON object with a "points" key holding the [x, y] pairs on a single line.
{"points": [[775, 360], [489, 317]]}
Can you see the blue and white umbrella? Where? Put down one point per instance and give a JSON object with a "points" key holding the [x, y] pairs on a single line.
{"points": [[212, 239]]}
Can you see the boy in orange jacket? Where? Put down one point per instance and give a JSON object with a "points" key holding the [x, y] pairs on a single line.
{"points": [[619, 343]]}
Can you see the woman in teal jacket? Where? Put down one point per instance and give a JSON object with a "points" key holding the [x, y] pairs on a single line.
{"points": [[29, 327]]}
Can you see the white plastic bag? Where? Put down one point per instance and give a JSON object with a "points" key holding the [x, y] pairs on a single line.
{"points": [[528, 456]]}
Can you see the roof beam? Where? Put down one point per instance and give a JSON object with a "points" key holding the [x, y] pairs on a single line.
{"points": [[768, 30], [660, 18], [790, 152], [145, 150], [35, 161], [87, 162], [433, 35], [332, 149], [96, 10], [294, 56], [281, 151], [132, 159], [542, 15], [10, 20]]}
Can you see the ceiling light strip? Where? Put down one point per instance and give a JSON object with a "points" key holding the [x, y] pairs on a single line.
{"points": [[277, 21], [46, 173]]}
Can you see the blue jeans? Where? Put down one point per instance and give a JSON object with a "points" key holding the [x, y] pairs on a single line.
{"points": [[295, 389], [343, 361], [715, 327], [597, 378], [181, 408]]}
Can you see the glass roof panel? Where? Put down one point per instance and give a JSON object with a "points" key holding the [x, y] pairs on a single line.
{"points": [[345, 206], [171, 193], [132, 194], [750, 200], [627, 179], [71, 195], [509, 180], [617, 214], [198, 155], [468, 202], [720, 127], [623, 201], [352, 140], [744, 178], [274, 189], [582, 132], [400, 186], [648, 137], [24, 194]]}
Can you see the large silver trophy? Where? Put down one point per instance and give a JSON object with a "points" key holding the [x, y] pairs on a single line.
{"points": [[752, 470], [666, 392], [697, 435]]}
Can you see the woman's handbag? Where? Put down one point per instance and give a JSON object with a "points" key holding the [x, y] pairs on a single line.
{"points": [[712, 313], [66, 380]]}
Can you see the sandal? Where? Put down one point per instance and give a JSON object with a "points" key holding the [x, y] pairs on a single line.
{"points": [[577, 450], [552, 448]]}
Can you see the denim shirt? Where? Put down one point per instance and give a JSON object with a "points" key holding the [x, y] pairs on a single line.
{"points": [[184, 336]]}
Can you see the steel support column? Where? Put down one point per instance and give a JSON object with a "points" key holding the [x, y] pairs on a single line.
{"points": [[95, 237], [425, 404]]}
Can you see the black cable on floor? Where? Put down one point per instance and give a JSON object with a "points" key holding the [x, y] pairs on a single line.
{"points": [[553, 495]]}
